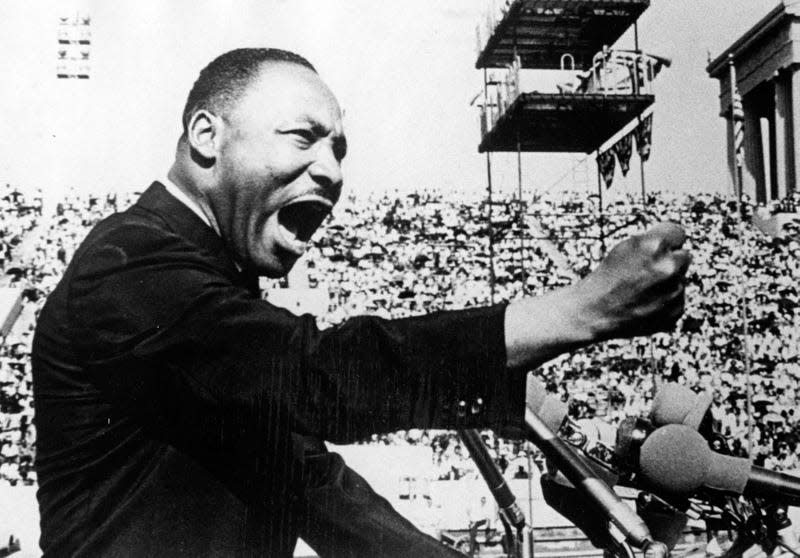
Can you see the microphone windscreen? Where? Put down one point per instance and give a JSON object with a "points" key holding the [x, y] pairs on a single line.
{"points": [[675, 459], [701, 404], [535, 393], [727, 473], [677, 404], [551, 410]]}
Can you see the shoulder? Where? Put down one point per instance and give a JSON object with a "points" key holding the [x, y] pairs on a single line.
{"points": [[122, 235], [133, 261], [132, 277], [135, 239]]}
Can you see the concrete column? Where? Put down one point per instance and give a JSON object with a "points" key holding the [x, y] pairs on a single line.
{"points": [[794, 127], [753, 179], [783, 147], [768, 148], [731, 154]]}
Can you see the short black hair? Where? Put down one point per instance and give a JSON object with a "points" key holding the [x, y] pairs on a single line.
{"points": [[226, 77]]}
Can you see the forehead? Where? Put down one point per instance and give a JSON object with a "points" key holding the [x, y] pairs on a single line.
{"points": [[289, 92]]}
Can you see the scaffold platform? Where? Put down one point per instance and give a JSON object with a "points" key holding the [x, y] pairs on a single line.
{"points": [[541, 31], [557, 122]]}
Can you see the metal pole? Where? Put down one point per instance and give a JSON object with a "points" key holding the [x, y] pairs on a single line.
{"points": [[638, 116], [490, 227], [636, 59], [641, 174], [738, 137], [531, 546], [600, 205], [521, 216]]}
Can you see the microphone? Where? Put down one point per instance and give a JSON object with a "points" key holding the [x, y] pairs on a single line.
{"points": [[583, 478], [550, 409], [493, 477], [677, 404], [676, 460]]}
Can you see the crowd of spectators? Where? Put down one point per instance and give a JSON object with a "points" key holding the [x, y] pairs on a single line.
{"points": [[20, 216], [397, 255]]}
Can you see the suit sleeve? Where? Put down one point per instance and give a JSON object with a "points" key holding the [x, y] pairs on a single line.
{"points": [[175, 342]]}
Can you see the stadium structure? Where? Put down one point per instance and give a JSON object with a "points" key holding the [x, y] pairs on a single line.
{"points": [[603, 91], [759, 73]]}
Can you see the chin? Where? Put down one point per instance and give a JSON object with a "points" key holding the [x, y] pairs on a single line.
{"points": [[276, 267], [272, 273]]}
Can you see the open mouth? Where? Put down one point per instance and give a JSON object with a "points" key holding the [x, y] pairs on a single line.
{"points": [[300, 219]]}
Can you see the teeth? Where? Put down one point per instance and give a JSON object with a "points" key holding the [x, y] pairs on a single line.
{"points": [[312, 198], [291, 242]]}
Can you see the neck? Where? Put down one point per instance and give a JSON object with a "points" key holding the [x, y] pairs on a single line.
{"points": [[185, 180]]}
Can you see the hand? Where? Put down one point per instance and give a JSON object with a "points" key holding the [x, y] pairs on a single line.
{"points": [[638, 288]]}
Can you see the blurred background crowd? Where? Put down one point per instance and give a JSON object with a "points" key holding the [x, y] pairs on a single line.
{"points": [[397, 255]]}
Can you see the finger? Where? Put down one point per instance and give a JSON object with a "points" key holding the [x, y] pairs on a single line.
{"points": [[674, 309], [663, 310], [670, 236], [670, 270], [675, 264], [683, 259]]}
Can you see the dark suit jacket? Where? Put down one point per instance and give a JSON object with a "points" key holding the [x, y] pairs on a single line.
{"points": [[179, 414]]}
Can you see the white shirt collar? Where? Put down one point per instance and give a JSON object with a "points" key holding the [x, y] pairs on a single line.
{"points": [[179, 194]]}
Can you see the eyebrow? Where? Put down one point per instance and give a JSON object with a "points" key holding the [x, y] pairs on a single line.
{"points": [[339, 141]]}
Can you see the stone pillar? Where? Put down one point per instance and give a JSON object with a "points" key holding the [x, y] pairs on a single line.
{"points": [[731, 154], [794, 126], [753, 179], [783, 137]]}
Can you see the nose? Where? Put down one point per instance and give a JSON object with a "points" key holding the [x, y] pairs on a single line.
{"points": [[326, 170]]}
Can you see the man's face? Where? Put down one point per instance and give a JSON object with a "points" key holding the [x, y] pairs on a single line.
{"points": [[278, 169]]}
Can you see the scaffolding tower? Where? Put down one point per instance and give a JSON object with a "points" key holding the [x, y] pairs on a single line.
{"points": [[603, 89]]}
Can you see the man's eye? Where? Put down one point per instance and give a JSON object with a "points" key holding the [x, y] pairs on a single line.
{"points": [[305, 137]]}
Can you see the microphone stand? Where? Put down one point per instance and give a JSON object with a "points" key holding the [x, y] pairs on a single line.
{"points": [[625, 526], [769, 528], [518, 534]]}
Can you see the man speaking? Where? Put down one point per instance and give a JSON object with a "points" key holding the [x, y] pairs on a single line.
{"points": [[179, 414]]}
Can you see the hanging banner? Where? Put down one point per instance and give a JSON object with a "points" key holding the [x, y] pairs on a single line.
{"points": [[622, 149], [606, 163], [644, 137]]}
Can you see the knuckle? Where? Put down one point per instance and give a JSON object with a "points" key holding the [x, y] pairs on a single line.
{"points": [[649, 245], [670, 268]]}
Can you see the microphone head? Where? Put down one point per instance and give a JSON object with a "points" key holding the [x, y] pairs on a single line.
{"points": [[549, 408], [677, 404], [728, 473], [675, 459]]}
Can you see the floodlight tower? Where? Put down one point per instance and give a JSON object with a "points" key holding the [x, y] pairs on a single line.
{"points": [[74, 39]]}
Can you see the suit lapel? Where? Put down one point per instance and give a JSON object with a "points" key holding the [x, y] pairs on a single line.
{"points": [[184, 222]]}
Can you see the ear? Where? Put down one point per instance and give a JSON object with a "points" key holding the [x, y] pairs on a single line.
{"points": [[203, 134]]}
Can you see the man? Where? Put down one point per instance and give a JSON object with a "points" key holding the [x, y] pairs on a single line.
{"points": [[179, 414]]}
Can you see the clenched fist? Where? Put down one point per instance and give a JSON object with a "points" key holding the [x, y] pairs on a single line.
{"points": [[637, 289]]}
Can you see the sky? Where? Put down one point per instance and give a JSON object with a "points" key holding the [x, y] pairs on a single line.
{"points": [[404, 73]]}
